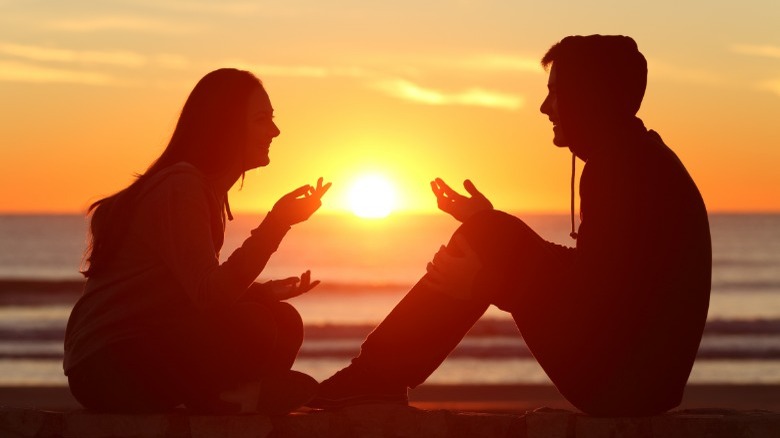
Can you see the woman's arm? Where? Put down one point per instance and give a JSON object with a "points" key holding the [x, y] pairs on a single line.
{"points": [[177, 220]]}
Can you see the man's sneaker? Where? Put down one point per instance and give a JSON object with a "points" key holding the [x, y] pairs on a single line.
{"points": [[354, 386]]}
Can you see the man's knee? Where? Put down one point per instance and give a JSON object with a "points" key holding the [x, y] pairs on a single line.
{"points": [[495, 233], [491, 219]]}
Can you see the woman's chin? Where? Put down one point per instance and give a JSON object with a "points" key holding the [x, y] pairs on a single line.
{"points": [[259, 162]]}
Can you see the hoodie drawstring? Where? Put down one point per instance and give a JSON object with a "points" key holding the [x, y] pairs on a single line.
{"points": [[573, 233], [227, 208]]}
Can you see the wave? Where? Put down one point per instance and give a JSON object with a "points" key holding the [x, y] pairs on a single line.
{"points": [[468, 351], [746, 285], [484, 328], [42, 291], [13, 287], [724, 262], [491, 327]]}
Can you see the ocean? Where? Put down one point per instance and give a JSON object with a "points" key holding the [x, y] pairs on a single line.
{"points": [[365, 267]]}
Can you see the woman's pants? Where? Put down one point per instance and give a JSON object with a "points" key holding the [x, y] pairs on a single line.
{"points": [[192, 361]]}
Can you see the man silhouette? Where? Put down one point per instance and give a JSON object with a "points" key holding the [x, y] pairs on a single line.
{"points": [[615, 322]]}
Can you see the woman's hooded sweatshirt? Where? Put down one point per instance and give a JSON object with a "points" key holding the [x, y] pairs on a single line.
{"points": [[167, 266]]}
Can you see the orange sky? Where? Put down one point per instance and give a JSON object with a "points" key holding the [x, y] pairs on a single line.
{"points": [[90, 93]]}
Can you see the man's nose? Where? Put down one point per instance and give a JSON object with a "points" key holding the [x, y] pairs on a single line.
{"points": [[545, 104]]}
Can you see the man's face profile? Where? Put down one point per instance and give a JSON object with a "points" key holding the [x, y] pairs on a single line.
{"points": [[550, 108]]}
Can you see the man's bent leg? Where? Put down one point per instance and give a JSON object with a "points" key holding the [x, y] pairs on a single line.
{"points": [[416, 337]]}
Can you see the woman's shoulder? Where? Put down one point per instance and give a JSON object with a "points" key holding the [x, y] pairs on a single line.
{"points": [[181, 177], [181, 172]]}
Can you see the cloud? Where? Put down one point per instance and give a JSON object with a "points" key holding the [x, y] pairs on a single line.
{"points": [[481, 62], [125, 23], [765, 51], [114, 58], [771, 85], [399, 88], [295, 71], [48, 54], [12, 71], [501, 63], [171, 61], [661, 69], [407, 90], [235, 8], [298, 71]]}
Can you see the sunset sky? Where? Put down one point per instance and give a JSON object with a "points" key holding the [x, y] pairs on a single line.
{"points": [[410, 90]]}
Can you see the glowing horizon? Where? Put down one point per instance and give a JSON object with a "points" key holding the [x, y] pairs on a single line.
{"points": [[91, 95]]}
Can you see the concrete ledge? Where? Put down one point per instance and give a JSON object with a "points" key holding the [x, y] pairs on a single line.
{"points": [[391, 421]]}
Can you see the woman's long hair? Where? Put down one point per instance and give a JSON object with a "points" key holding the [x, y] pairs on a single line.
{"points": [[210, 135]]}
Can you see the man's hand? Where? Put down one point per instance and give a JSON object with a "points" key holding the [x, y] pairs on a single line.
{"points": [[300, 204], [453, 270], [290, 287], [457, 205]]}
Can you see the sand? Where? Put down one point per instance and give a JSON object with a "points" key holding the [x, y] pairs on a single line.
{"points": [[476, 398]]}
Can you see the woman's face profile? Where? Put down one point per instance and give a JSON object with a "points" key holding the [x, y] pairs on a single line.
{"points": [[261, 129]]}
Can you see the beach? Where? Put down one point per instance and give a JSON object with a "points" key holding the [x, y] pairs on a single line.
{"points": [[491, 371], [514, 399]]}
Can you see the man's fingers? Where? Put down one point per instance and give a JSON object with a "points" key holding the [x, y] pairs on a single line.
{"points": [[447, 189], [435, 277], [436, 190], [432, 284], [471, 188], [462, 245], [446, 261]]}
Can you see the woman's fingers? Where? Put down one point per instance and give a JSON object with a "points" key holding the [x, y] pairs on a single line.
{"points": [[292, 287], [297, 193], [290, 280], [321, 189]]}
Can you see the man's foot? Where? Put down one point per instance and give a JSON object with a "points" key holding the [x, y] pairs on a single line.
{"points": [[286, 392], [354, 386]]}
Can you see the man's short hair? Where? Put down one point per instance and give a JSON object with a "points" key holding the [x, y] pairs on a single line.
{"points": [[610, 64]]}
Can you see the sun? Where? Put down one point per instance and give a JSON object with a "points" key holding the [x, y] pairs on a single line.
{"points": [[371, 196]]}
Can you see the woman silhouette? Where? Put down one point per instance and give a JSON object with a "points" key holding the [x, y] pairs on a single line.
{"points": [[161, 323]]}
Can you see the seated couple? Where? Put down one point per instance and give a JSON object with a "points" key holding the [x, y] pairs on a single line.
{"points": [[615, 322]]}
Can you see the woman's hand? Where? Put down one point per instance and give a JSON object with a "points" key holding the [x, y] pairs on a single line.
{"points": [[300, 204], [457, 205], [291, 287], [453, 269]]}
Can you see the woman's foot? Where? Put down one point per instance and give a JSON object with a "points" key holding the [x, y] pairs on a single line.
{"points": [[279, 394], [355, 386], [283, 393]]}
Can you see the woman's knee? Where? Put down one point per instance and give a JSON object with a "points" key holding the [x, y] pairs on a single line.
{"points": [[288, 321]]}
